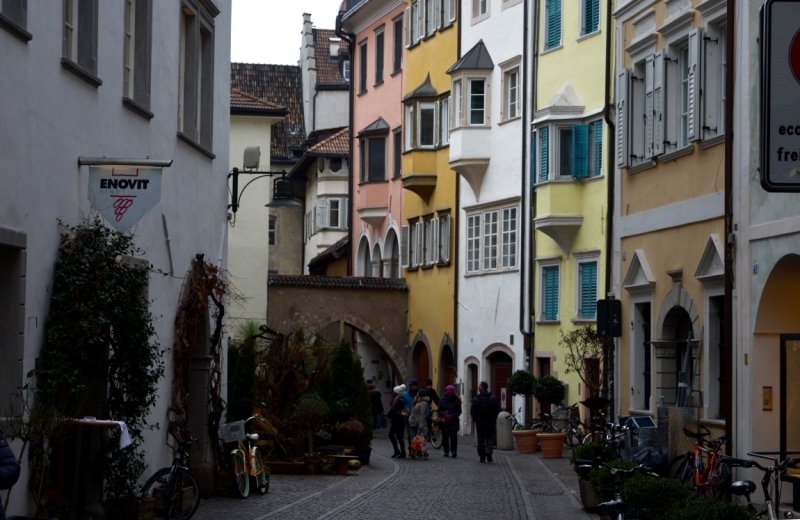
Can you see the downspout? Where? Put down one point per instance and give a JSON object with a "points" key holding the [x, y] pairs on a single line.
{"points": [[532, 241], [730, 77], [608, 386], [457, 220], [523, 324], [350, 38]]}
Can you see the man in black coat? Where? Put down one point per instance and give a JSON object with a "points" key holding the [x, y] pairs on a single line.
{"points": [[484, 412], [9, 469]]}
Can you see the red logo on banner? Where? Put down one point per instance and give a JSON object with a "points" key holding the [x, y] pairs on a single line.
{"points": [[122, 204], [794, 56]]}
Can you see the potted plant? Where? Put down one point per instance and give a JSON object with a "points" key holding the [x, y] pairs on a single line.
{"points": [[550, 390], [523, 383], [591, 452]]}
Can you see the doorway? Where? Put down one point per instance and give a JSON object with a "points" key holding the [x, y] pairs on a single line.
{"points": [[790, 392], [422, 362], [501, 368]]}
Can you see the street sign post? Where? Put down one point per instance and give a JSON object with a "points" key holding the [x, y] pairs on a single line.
{"points": [[780, 96]]}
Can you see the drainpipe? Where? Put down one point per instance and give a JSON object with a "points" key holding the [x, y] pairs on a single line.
{"points": [[608, 386], [350, 38], [523, 323], [456, 218], [730, 77]]}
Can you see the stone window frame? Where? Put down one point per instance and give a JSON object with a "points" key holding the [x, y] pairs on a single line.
{"points": [[137, 56], [554, 261], [14, 19], [79, 40]]}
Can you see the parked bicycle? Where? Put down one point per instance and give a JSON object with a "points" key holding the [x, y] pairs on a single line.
{"points": [[770, 481], [702, 469], [607, 433], [175, 490], [245, 460], [616, 507], [516, 424], [435, 435], [545, 423], [568, 419]]}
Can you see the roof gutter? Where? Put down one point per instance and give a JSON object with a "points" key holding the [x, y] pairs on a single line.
{"points": [[524, 324], [610, 350], [350, 38], [730, 77]]}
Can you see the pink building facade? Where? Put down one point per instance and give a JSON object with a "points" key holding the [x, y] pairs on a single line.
{"points": [[377, 78]]}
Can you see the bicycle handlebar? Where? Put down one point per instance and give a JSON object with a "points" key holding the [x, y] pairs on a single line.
{"points": [[614, 471]]}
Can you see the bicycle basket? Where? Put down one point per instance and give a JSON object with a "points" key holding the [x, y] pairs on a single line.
{"points": [[232, 432]]}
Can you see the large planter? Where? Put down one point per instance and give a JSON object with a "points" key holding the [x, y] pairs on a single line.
{"points": [[588, 496], [363, 455], [526, 440], [552, 444]]}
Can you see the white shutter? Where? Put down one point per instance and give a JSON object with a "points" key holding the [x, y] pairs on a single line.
{"points": [[305, 228], [322, 214], [446, 13], [429, 242], [436, 113], [445, 237], [658, 104], [407, 21], [439, 18], [420, 21], [342, 224], [694, 80], [419, 246], [436, 256], [649, 107], [623, 118], [453, 8], [314, 220], [404, 244]]}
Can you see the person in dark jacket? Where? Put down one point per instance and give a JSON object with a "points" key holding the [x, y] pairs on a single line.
{"points": [[377, 404], [484, 412], [450, 417], [396, 415], [9, 469]]}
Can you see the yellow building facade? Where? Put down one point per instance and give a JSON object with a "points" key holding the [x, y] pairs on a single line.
{"points": [[427, 242], [570, 170]]}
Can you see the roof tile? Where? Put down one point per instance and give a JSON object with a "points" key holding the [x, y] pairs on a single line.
{"points": [[243, 100], [329, 282], [337, 144], [328, 72]]}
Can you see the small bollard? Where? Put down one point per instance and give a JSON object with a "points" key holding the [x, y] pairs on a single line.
{"points": [[505, 440]]}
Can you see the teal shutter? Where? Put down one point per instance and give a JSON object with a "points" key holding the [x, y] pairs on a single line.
{"points": [[595, 15], [598, 148], [591, 16], [551, 293], [588, 277], [534, 173], [580, 151], [545, 162], [553, 23]]}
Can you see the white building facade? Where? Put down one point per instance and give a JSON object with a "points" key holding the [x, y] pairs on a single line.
{"points": [[485, 113], [143, 80]]}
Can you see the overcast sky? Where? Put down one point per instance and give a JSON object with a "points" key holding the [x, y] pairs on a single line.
{"points": [[268, 31]]}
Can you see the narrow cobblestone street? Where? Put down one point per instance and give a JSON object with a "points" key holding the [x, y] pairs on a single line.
{"points": [[514, 487]]}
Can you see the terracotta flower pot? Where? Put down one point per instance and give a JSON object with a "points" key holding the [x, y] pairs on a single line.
{"points": [[526, 440], [552, 444]]}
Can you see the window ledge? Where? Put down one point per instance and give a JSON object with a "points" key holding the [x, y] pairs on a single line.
{"points": [[361, 93], [362, 183], [548, 51], [714, 141], [80, 72], [136, 108], [411, 269], [555, 181], [641, 167], [378, 84], [478, 19], [15, 29], [583, 320], [397, 177], [425, 267], [443, 264], [197, 146], [587, 36], [641, 412], [492, 272], [395, 73], [713, 422], [592, 179], [686, 150], [547, 322], [504, 121]]}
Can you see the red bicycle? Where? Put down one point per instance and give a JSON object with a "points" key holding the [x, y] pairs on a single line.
{"points": [[702, 469]]}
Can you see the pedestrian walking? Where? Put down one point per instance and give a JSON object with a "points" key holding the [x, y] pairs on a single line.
{"points": [[408, 397], [417, 422], [450, 420], [484, 412], [397, 415], [377, 406], [9, 469]]}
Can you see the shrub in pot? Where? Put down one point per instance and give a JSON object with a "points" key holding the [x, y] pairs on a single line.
{"points": [[705, 509], [602, 480], [650, 497], [552, 391], [523, 383], [592, 452]]}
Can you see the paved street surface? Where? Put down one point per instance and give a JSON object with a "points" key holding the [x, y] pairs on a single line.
{"points": [[513, 487]]}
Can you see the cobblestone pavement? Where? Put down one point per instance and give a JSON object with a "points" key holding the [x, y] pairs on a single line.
{"points": [[513, 487]]}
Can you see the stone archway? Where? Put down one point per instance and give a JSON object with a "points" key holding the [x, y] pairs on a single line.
{"points": [[421, 367], [447, 370]]}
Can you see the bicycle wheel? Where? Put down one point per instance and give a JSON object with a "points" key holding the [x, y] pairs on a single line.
{"points": [[560, 420], [436, 438], [574, 437], [685, 472], [241, 477], [177, 495], [261, 480], [720, 480]]}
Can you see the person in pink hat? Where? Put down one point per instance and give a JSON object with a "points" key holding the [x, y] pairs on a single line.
{"points": [[450, 417]]}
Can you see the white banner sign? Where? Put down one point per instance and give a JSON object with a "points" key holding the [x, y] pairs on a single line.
{"points": [[124, 194]]}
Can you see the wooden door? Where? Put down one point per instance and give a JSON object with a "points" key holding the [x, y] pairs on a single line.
{"points": [[501, 372], [423, 365]]}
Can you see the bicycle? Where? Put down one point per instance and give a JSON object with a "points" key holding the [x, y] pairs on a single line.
{"points": [[710, 477], [246, 462], [567, 419], [607, 433], [617, 507], [771, 479], [175, 490], [545, 423], [435, 435], [515, 423]]}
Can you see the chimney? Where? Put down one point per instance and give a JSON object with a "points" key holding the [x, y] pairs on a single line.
{"points": [[333, 53]]}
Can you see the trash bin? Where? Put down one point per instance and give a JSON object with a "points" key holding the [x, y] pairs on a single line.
{"points": [[505, 440]]}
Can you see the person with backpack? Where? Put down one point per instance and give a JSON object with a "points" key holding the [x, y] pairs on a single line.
{"points": [[397, 416], [418, 421], [484, 412], [449, 419], [9, 469]]}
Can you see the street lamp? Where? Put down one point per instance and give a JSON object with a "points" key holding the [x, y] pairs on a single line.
{"points": [[282, 191]]}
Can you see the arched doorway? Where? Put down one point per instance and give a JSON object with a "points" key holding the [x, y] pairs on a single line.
{"points": [[447, 368], [391, 252], [363, 260], [422, 363], [376, 261], [678, 334], [500, 366]]}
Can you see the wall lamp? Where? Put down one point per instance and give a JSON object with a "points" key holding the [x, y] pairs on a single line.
{"points": [[282, 188]]}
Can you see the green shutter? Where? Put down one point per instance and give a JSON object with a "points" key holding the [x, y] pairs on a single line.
{"points": [[580, 151], [591, 16], [595, 15], [551, 293], [598, 148], [553, 23], [545, 162], [588, 278], [534, 174]]}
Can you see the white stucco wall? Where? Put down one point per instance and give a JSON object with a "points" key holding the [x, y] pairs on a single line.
{"points": [[248, 237], [324, 184], [332, 109], [488, 311], [51, 117]]}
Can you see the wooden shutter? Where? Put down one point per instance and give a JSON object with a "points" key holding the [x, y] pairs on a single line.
{"points": [[404, 244], [595, 15], [553, 23], [436, 255], [439, 18], [475, 8], [444, 237], [588, 281], [658, 104], [437, 110], [143, 21], [322, 214], [694, 80], [534, 162], [420, 244], [344, 215], [580, 151], [598, 148], [551, 293], [545, 154], [407, 21], [649, 107], [453, 10], [623, 118], [587, 16], [421, 20]]}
